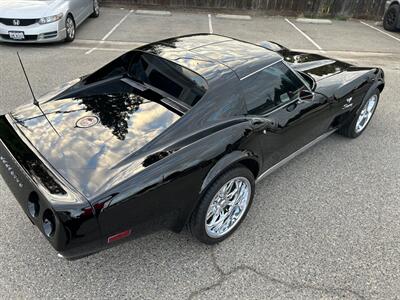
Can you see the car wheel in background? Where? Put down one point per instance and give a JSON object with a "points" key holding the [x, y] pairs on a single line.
{"points": [[224, 206], [360, 121], [391, 18], [96, 9], [70, 28]]}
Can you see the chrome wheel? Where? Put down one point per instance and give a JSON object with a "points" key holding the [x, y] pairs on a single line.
{"points": [[228, 207], [366, 114], [70, 27]]}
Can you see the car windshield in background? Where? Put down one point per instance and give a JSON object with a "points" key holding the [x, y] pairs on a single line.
{"points": [[173, 79]]}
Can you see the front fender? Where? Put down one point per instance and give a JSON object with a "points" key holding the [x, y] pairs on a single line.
{"points": [[378, 84]]}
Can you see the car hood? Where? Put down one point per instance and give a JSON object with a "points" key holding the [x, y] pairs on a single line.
{"points": [[87, 139], [334, 78], [317, 66], [27, 9]]}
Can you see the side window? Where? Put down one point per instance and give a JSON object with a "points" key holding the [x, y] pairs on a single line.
{"points": [[270, 88]]}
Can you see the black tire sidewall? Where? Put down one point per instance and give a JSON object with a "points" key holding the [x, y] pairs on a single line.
{"points": [[94, 14], [68, 39], [396, 9], [197, 222], [353, 132]]}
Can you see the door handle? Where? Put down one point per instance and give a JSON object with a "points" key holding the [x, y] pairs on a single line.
{"points": [[264, 124]]}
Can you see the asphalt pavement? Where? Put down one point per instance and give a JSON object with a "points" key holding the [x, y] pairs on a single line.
{"points": [[326, 225]]}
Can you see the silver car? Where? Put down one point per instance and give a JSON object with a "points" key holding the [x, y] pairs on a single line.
{"points": [[43, 21]]}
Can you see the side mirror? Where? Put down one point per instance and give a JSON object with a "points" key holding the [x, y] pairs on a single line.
{"points": [[306, 96]]}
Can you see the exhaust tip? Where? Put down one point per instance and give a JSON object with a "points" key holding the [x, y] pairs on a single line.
{"points": [[33, 205], [49, 223]]}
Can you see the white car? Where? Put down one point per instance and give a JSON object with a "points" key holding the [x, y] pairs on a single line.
{"points": [[43, 21]]}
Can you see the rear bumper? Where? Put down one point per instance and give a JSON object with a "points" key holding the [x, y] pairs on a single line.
{"points": [[76, 231], [35, 33], [25, 191]]}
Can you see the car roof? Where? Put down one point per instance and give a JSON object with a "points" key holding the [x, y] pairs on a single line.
{"points": [[212, 55]]}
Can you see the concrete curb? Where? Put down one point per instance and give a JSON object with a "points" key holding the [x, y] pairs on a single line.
{"points": [[313, 21], [233, 17], [153, 12]]}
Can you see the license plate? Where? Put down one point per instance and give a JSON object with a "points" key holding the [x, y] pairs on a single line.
{"points": [[16, 35]]}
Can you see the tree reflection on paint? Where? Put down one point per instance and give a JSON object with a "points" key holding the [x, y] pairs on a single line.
{"points": [[114, 111]]}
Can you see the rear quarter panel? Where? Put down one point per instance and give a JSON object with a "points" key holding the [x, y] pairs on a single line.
{"points": [[166, 193]]}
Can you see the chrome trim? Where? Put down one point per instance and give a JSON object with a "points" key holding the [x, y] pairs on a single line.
{"points": [[259, 70], [293, 155]]}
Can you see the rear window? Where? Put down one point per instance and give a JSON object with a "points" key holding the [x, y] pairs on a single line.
{"points": [[173, 79]]}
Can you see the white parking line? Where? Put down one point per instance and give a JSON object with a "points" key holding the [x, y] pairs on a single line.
{"points": [[381, 31], [111, 31], [119, 43], [97, 49], [153, 12], [210, 24], [233, 17], [305, 35], [314, 21]]}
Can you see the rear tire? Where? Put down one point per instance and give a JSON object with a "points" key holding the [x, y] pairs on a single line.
{"points": [[356, 126], [391, 18], [221, 209], [70, 29], [96, 9]]}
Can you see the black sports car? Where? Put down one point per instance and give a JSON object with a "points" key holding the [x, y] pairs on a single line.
{"points": [[174, 133]]}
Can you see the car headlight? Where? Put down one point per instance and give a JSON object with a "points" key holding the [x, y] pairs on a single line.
{"points": [[51, 19]]}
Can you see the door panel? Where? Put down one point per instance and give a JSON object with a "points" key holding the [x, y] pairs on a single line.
{"points": [[274, 94], [80, 8], [89, 8], [298, 123], [74, 8]]}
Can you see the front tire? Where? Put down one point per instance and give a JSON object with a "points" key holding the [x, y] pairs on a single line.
{"points": [[224, 206], [356, 126], [70, 29], [391, 18], [96, 9]]}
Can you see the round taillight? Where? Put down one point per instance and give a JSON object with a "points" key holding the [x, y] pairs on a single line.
{"points": [[33, 205], [49, 223]]}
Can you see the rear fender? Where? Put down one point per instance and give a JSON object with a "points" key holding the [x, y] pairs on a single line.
{"points": [[226, 162]]}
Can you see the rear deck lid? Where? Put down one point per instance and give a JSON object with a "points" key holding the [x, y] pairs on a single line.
{"points": [[85, 138]]}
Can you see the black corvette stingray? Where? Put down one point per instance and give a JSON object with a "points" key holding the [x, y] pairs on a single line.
{"points": [[174, 133]]}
